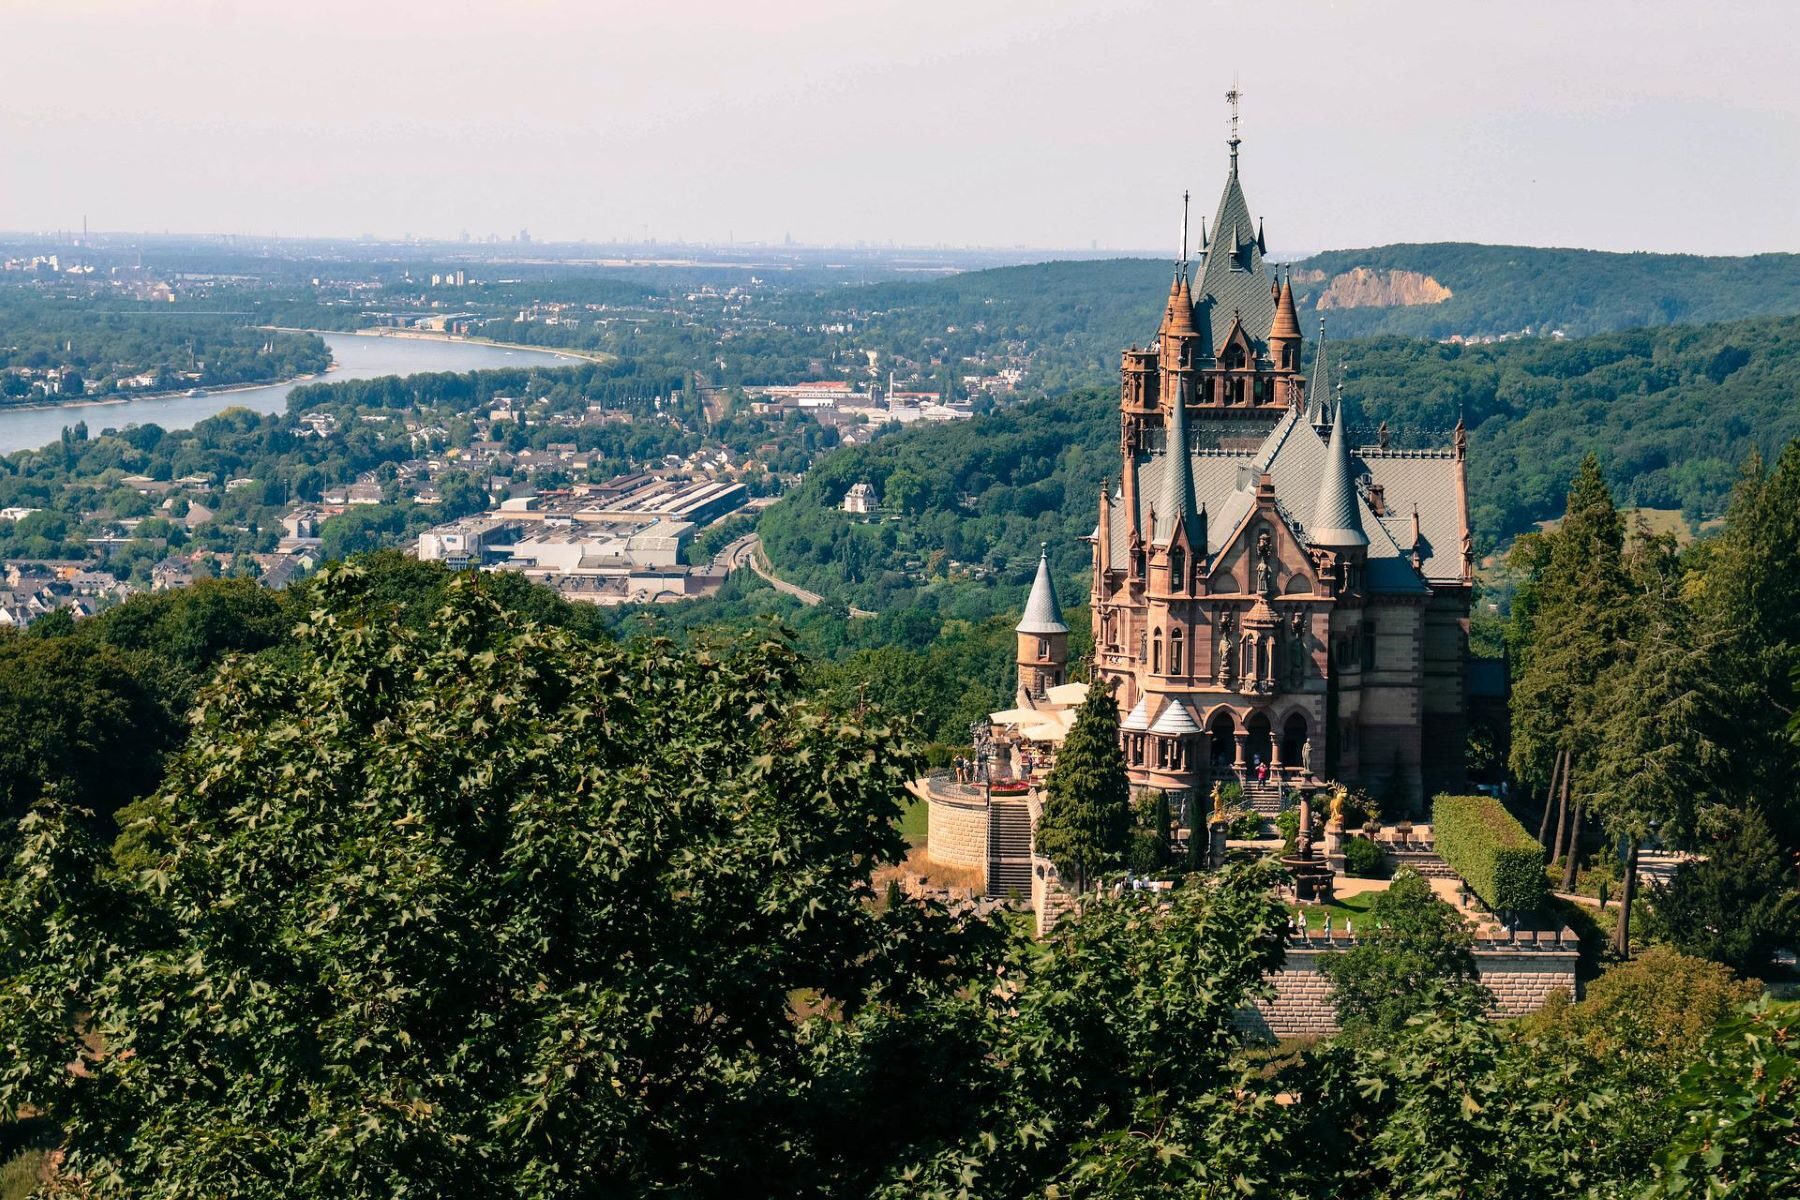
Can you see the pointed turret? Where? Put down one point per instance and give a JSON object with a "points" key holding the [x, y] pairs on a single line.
{"points": [[1178, 317], [1176, 503], [1043, 638], [1284, 334], [1042, 613], [1317, 390], [1337, 523]]}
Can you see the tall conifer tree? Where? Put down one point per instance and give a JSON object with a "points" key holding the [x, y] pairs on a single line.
{"points": [[1086, 823]]}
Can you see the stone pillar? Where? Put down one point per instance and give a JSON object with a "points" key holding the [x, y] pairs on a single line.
{"points": [[1241, 737], [1216, 849]]}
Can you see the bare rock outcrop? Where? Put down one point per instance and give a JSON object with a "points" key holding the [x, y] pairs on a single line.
{"points": [[1361, 287]]}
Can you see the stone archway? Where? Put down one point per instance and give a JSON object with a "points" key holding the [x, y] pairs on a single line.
{"points": [[1258, 742], [1293, 739], [1222, 731]]}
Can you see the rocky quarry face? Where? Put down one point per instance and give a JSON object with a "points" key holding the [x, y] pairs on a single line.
{"points": [[1361, 287]]}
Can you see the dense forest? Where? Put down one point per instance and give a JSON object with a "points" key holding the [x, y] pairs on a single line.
{"points": [[1499, 290], [1673, 409]]}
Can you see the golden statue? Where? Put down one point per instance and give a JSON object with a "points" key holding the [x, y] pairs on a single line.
{"points": [[1340, 800], [1218, 801]]}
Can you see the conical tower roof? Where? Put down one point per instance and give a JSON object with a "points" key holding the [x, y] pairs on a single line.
{"points": [[1042, 613], [1337, 522], [1177, 499], [1287, 321], [1317, 388], [1178, 317]]}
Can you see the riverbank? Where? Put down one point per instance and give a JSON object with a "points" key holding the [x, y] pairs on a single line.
{"points": [[113, 399], [432, 335], [352, 358]]}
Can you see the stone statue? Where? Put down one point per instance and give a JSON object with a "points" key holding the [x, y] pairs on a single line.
{"points": [[1265, 575], [1227, 652], [1306, 756]]}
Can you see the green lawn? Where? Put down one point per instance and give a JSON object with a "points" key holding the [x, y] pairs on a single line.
{"points": [[1355, 908], [913, 821]]}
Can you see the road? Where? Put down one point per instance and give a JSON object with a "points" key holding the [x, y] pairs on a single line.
{"points": [[747, 552]]}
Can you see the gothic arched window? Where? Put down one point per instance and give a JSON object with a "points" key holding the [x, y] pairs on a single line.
{"points": [[1176, 658], [1177, 569], [1156, 652]]}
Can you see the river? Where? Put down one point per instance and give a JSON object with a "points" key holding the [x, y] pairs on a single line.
{"points": [[353, 357]]}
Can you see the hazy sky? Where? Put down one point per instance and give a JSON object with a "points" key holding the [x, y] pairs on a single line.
{"points": [[1645, 124]]}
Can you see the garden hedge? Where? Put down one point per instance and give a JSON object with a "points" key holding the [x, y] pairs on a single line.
{"points": [[1501, 862]]}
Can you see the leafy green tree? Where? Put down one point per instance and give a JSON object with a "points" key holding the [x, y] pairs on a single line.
{"points": [[480, 907], [1410, 951], [1112, 1068], [76, 718], [1739, 1106], [1086, 823], [1738, 905]]}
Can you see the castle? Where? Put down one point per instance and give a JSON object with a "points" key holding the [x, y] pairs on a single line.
{"points": [[1264, 593]]}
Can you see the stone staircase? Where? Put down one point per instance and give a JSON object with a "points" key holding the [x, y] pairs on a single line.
{"points": [[1264, 798], [1009, 848]]}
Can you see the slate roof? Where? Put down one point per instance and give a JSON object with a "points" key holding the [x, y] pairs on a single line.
{"points": [[1138, 719], [1042, 613], [1336, 515], [1294, 456], [1175, 721], [1234, 279]]}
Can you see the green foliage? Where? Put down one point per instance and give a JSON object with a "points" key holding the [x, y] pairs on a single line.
{"points": [[1148, 851], [1111, 1067], [1496, 857], [1569, 618], [431, 911], [1245, 826], [1738, 905], [1739, 1106], [1363, 859], [80, 719], [1745, 591], [1287, 824], [1086, 822], [1410, 951]]}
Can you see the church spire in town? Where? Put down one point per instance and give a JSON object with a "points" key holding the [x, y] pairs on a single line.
{"points": [[1337, 523]]}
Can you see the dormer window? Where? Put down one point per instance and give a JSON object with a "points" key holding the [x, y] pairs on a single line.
{"points": [[1177, 569]]}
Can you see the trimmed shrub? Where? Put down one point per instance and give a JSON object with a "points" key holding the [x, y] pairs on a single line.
{"points": [[1288, 825], [1363, 859], [1501, 862], [1245, 826]]}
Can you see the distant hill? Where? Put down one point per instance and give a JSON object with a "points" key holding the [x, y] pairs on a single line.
{"points": [[1673, 412], [1496, 290]]}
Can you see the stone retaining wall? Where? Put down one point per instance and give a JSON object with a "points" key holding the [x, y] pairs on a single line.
{"points": [[1521, 978], [957, 829]]}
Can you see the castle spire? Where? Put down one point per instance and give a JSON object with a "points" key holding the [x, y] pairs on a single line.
{"points": [[1182, 262], [1042, 613], [1320, 386], [1176, 504], [1337, 523]]}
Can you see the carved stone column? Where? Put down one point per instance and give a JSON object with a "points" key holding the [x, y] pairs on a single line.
{"points": [[1242, 738]]}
